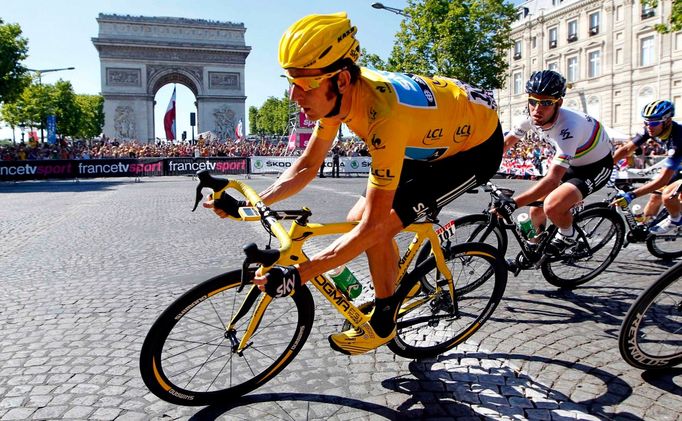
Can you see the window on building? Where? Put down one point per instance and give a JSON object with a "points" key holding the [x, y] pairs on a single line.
{"points": [[572, 69], [619, 13], [616, 113], [646, 51], [594, 23], [553, 36], [533, 42], [518, 83], [594, 58], [678, 41], [517, 49], [573, 30], [553, 66], [619, 56], [648, 11]]}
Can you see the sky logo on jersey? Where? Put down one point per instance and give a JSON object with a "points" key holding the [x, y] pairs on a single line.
{"points": [[412, 90], [424, 154]]}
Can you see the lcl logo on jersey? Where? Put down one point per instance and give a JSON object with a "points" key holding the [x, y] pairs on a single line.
{"points": [[432, 136], [461, 132]]}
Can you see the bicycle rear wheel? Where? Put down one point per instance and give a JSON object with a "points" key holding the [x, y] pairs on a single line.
{"points": [[600, 238], [651, 334], [430, 323], [665, 246], [188, 356]]}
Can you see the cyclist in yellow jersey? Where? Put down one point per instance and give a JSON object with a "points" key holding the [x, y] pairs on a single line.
{"points": [[430, 139]]}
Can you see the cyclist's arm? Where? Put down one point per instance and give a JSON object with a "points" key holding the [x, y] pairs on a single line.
{"points": [[509, 141], [624, 151], [377, 222], [661, 181], [543, 187], [301, 172]]}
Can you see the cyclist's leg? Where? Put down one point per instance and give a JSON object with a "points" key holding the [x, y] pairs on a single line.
{"points": [[671, 198], [578, 183], [653, 205]]}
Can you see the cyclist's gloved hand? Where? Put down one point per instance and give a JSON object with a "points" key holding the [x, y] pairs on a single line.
{"points": [[282, 281], [505, 205], [624, 198], [229, 205]]}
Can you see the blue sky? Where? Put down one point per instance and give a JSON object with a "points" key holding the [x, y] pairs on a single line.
{"points": [[60, 32]]}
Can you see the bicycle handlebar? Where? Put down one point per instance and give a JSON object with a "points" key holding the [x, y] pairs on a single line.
{"points": [[253, 254]]}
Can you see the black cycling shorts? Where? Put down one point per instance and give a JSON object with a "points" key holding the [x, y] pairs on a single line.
{"points": [[590, 178], [427, 186]]}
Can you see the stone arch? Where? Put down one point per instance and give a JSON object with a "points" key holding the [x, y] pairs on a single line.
{"points": [[139, 55]]}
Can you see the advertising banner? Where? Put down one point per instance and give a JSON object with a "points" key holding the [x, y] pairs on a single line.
{"points": [[277, 164], [186, 166]]}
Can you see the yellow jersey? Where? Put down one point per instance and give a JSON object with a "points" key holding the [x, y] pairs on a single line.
{"points": [[404, 116]]}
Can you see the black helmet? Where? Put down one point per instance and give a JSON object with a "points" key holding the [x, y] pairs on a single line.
{"points": [[546, 82]]}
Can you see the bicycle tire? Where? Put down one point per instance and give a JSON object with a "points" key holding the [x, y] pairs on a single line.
{"points": [[651, 334], [182, 359], [468, 228], [604, 231], [665, 246], [428, 324]]}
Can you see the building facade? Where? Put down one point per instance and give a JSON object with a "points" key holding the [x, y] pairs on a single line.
{"points": [[612, 57], [140, 54]]}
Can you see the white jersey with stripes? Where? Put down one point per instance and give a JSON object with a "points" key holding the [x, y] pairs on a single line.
{"points": [[578, 138]]}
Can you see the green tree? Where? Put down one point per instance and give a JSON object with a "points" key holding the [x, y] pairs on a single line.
{"points": [[273, 116], [91, 116], [371, 60], [13, 49], [65, 107], [253, 119], [675, 21], [468, 40]]}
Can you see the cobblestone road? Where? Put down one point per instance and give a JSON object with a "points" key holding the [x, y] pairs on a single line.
{"points": [[85, 268]]}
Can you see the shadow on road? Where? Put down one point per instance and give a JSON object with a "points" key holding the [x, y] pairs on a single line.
{"points": [[62, 186]]}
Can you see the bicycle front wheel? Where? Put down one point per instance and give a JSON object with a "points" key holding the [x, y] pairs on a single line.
{"points": [[600, 238], [431, 323], [469, 228], [189, 357], [651, 334]]}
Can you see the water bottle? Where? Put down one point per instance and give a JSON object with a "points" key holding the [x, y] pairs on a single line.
{"points": [[345, 281], [526, 226], [638, 213]]}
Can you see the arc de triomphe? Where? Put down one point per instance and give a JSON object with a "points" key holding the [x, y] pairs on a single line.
{"points": [[139, 55]]}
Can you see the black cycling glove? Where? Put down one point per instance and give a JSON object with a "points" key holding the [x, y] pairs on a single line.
{"points": [[282, 281], [505, 205], [230, 205]]}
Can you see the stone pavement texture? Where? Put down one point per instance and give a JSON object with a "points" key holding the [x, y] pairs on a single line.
{"points": [[85, 268]]}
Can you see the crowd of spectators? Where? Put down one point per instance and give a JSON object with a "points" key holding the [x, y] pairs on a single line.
{"points": [[529, 158], [112, 148]]}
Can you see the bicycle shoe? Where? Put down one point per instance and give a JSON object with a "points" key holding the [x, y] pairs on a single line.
{"points": [[359, 340], [665, 226], [560, 244]]}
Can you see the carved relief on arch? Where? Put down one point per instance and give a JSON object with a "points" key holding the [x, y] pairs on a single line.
{"points": [[189, 76]]}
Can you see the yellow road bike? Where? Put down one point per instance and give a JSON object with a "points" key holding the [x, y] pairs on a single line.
{"points": [[224, 338]]}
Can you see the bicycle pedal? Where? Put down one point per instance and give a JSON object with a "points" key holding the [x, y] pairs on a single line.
{"points": [[513, 267]]}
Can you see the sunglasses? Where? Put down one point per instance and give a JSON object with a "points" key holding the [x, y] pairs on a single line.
{"points": [[308, 83], [544, 102], [653, 123]]}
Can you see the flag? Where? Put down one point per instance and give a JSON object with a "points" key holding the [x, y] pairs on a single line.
{"points": [[239, 130], [169, 118]]}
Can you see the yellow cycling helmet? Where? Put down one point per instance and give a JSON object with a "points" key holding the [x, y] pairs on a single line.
{"points": [[317, 41]]}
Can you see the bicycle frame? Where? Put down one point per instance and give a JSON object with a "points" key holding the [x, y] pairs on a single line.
{"points": [[291, 253]]}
